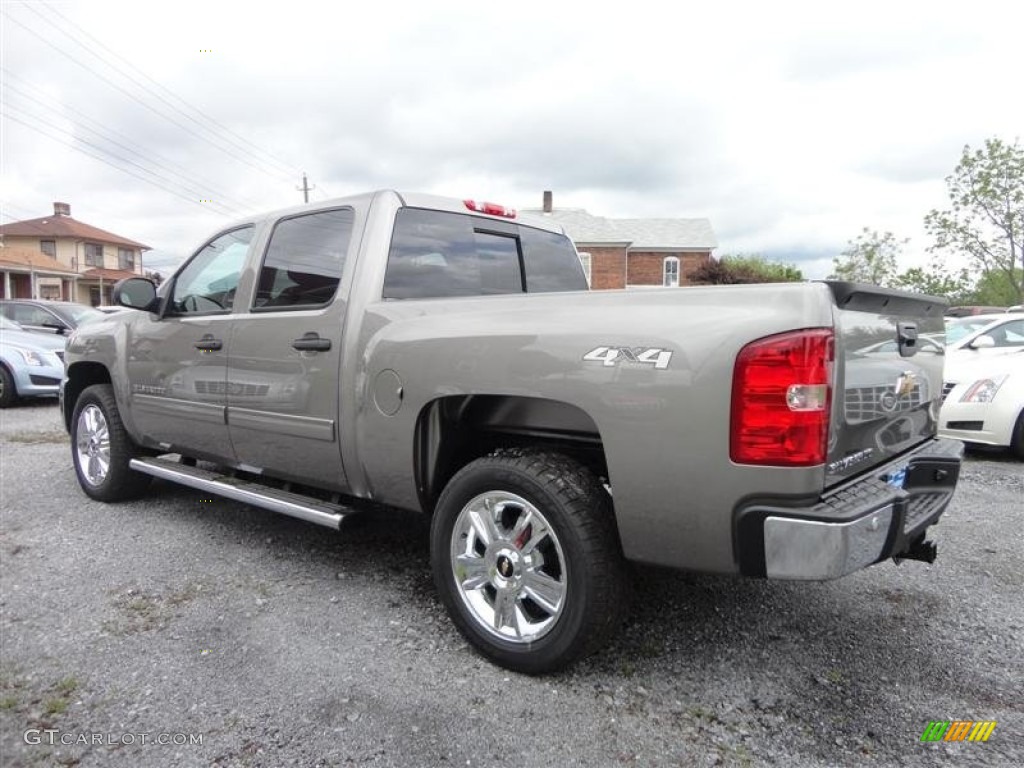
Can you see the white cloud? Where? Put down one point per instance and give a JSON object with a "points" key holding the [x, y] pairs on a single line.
{"points": [[791, 125]]}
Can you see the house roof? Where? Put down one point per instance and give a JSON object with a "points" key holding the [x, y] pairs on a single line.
{"points": [[64, 226], [638, 234], [111, 275], [27, 259]]}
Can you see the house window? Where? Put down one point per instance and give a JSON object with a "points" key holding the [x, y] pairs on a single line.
{"points": [[126, 259], [670, 274], [93, 255], [585, 261], [49, 247]]}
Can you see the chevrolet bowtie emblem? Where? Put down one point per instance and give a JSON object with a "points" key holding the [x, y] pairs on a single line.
{"points": [[906, 383]]}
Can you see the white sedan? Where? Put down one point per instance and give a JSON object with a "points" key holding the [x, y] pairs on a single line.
{"points": [[986, 334], [983, 402]]}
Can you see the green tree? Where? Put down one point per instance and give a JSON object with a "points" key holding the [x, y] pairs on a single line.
{"points": [[937, 280], [766, 271], [986, 217], [996, 289], [869, 258], [736, 269]]}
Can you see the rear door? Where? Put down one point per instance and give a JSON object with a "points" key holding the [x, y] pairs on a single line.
{"points": [[888, 384], [285, 356]]}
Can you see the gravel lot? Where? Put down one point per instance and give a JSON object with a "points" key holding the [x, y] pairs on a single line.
{"points": [[279, 643]]}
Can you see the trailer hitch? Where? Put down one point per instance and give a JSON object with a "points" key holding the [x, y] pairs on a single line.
{"points": [[919, 549]]}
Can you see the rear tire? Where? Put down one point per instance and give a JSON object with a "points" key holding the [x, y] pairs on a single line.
{"points": [[527, 561], [8, 392], [101, 447]]}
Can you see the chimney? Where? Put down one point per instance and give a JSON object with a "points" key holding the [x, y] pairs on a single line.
{"points": [[548, 201], [61, 209]]}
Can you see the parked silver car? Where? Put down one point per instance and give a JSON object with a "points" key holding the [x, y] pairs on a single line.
{"points": [[48, 316], [31, 364]]}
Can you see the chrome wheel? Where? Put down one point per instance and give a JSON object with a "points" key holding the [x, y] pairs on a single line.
{"points": [[92, 444], [508, 566]]}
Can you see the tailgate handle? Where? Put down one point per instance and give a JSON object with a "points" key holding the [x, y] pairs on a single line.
{"points": [[906, 337], [311, 341]]}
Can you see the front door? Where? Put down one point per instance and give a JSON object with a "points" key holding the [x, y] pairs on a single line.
{"points": [[284, 364], [177, 364]]}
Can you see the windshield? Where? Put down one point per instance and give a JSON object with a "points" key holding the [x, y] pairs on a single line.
{"points": [[963, 326], [9, 325], [81, 314]]}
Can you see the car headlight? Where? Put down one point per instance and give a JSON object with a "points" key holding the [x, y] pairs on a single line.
{"points": [[983, 390], [32, 357]]}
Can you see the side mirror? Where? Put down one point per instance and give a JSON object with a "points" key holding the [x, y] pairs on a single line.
{"points": [[135, 293], [983, 342]]}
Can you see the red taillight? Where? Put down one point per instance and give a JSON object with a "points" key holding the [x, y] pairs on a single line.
{"points": [[491, 209], [781, 396]]}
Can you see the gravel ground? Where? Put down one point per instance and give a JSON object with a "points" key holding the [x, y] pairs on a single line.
{"points": [[278, 643]]}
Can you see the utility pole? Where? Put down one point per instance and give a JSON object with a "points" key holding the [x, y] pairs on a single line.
{"points": [[304, 189]]}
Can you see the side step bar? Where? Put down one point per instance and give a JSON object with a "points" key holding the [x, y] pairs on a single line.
{"points": [[303, 507]]}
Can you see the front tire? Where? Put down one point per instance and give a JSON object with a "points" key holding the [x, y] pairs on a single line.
{"points": [[101, 447], [527, 561], [8, 392], [1017, 441]]}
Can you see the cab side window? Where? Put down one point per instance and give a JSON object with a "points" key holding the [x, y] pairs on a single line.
{"points": [[208, 282], [304, 261], [437, 254]]}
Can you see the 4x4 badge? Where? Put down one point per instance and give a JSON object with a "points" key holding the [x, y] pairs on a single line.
{"points": [[659, 358]]}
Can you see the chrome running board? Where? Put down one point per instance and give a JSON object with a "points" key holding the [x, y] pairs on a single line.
{"points": [[287, 503]]}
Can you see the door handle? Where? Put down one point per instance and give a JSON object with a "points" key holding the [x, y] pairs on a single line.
{"points": [[312, 342], [209, 344]]}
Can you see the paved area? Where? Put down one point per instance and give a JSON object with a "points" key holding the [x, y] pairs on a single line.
{"points": [[185, 619]]}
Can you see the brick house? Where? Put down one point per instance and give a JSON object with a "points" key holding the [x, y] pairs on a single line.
{"points": [[634, 253], [58, 257]]}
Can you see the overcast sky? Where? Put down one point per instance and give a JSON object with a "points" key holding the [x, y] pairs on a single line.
{"points": [[790, 125]]}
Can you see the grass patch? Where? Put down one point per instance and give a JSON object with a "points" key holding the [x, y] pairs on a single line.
{"points": [[67, 686], [835, 677], [143, 611], [738, 756], [702, 713], [8, 702], [56, 706], [35, 438]]}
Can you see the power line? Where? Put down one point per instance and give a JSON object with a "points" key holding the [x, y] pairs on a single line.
{"points": [[201, 194], [147, 89], [203, 186], [285, 166], [134, 98], [4, 207], [72, 145]]}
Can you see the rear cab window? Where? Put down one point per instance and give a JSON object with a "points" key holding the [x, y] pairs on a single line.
{"points": [[437, 254]]}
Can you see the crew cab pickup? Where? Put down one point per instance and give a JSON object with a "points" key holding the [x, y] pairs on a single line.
{"points": [[446, 356]]}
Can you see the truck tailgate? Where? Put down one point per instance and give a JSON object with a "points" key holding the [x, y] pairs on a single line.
{"points": [[888, 376]]}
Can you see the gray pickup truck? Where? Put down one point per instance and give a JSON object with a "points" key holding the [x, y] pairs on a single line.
{"points": [[446, 356]]}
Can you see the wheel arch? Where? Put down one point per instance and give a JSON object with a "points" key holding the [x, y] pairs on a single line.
{"points": [[80, 376], [454, 430]]}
